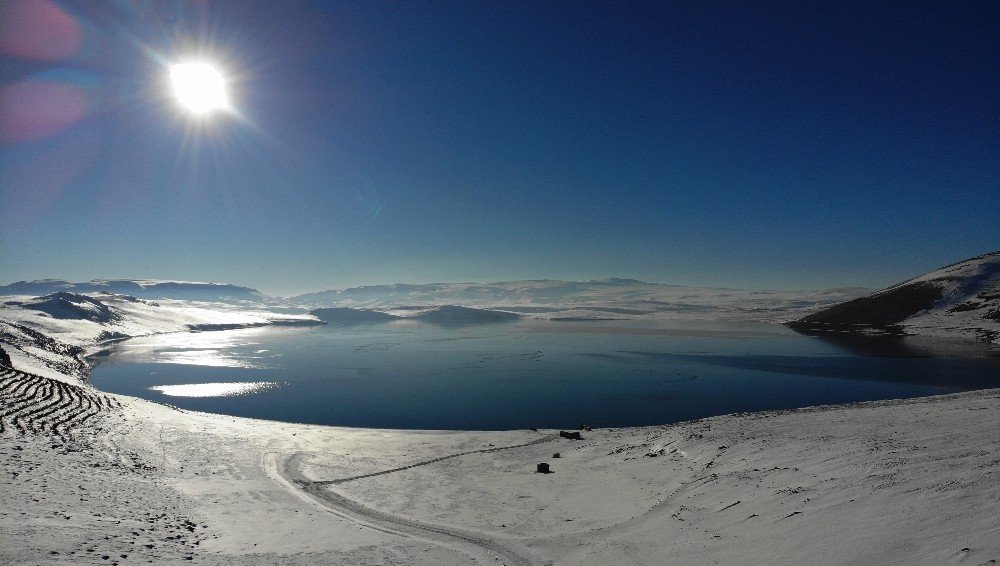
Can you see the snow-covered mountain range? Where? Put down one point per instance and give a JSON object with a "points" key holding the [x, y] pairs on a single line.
{"points": [[586, 300], [546, 299], [958, 300], [139, 288]]}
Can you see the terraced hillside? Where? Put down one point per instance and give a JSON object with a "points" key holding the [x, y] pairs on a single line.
{"points": [[32, 404]]}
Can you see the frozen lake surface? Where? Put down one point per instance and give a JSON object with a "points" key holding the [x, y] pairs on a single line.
{"points": [[529, 373]]}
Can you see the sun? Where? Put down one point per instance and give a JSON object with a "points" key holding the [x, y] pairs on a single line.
{"points": [[199, 87]]}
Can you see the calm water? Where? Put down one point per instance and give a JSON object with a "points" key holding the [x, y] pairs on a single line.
{"points": [[528, 374]]}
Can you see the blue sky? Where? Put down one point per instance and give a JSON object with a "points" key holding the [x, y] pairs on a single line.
{"points": [[772, 145]]}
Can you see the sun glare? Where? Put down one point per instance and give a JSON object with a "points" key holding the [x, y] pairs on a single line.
{"points": [[199, 87]]}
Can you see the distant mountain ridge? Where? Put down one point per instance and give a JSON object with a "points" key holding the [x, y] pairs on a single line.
{"points": [[961, 299], [442, 293], [141, 288], [604, 299]]}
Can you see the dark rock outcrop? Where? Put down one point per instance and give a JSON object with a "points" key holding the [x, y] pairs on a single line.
{"points": [[879, 311]]}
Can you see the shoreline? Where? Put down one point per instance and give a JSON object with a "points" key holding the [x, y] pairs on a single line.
{"points": [[214, 489], [120, 381]]}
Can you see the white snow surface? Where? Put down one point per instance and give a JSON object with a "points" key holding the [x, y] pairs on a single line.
{"points": [[893, 482]]}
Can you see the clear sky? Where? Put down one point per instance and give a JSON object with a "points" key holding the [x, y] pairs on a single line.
{"points": [[742, 144]]}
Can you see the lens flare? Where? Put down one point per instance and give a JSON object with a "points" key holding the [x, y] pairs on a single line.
{"points": [[39, 30]]}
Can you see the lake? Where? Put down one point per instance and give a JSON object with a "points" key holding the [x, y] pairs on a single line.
{"points": [[530, 373]]}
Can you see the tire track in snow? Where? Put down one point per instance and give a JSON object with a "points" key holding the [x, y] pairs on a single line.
{"points": [[480, 546]]}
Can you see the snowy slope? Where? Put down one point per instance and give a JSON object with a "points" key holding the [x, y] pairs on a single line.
{"points": [[960, 300], [66, 305]]}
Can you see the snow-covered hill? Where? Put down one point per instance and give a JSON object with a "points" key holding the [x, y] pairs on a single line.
{"points": [[72, 306], [959, 300], [37, 333]]}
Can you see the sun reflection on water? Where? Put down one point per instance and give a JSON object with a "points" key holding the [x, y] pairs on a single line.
{"points": [[209, 358], [234, 389], [233, 349]]}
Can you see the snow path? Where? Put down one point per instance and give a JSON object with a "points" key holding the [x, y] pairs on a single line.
{"points": [[478, 546], [547, 438]]}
